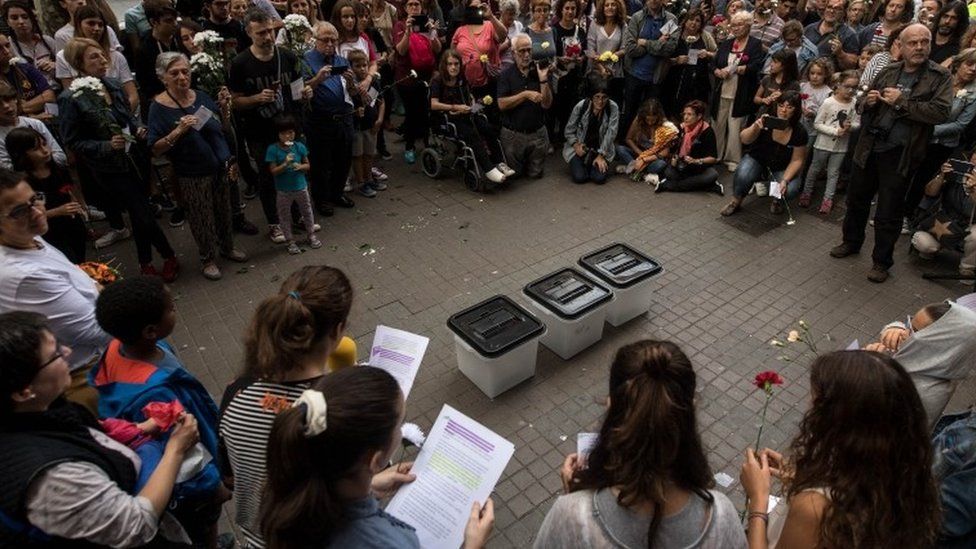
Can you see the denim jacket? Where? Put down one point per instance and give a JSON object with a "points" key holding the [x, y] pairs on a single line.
{"points": [[579, 122], [84, 131], [954, 468], [960, 115]]}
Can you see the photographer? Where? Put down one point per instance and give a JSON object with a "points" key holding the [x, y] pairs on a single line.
{"points": [[417, 48], [906, 100], [589, 134], [524, 95], [950, 217]]}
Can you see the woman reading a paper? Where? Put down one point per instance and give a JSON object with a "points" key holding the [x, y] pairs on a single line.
{"points": [[326, 459], [646, 483]]}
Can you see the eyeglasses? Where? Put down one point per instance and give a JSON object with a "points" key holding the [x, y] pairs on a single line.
{"points": [[18, 213], [523, 50], [58, 353]]}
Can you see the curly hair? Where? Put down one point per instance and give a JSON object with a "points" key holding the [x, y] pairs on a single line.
{"points": [[125, 308], [866, 440], [649, 436]]}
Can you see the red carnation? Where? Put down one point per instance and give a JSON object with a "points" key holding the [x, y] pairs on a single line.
{"points": [[66, 189], [766, 380], [717, 19], [878, 31], [804, 96]]}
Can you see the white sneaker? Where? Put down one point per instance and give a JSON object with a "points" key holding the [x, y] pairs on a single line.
{"points": [[652, 179], [495, 176], [348, 187], [509, 172], [274, 231], [94, 214], [111, 237], [762, 189], [378, 175], [316, 227]]}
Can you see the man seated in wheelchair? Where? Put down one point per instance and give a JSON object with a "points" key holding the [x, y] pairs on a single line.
{"points": [[456, 114], [946, 218]]}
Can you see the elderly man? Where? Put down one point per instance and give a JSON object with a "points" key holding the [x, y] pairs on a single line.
{"points": [[833, 37], [905, 101], [767, 26], [264, 80], [651, 37], [524, 95], [330, 122], [793, 39]]}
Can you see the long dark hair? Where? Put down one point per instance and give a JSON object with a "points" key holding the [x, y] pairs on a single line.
{"points": [[344, 35], [962, 21], [297, 321], [791, 71], [19, 142], [649, 435], [21, 335], [88, 11], [866, 440], [300, 503], [35, 26]]}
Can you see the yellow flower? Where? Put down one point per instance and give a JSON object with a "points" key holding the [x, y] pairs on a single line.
{"points": [[483, 58], [545, 45], [803, 324], [614, 58], [487, 100], [776, 343], [793, 336], [605, 56]]}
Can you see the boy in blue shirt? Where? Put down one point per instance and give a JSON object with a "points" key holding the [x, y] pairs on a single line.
{"points": [[288, 162]]}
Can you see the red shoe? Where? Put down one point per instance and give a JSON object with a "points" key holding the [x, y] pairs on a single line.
{"points": [[171, 269], [148, 269]]}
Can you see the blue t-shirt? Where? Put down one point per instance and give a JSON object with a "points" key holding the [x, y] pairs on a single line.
{"points": [[291, 179]]}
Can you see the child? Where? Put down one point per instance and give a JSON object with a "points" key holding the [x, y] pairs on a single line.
{"points": [[139, 369], [834, 122], [867, 53], [369, 118], [815, 90], [784, 76], [288, 162]]}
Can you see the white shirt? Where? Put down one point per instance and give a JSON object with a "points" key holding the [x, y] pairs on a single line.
{"points": [[44, 281], [117, 69], [57, 153], [67, 32]]}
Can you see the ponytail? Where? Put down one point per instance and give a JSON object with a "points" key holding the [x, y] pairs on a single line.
{"points": [[301, 503], [310, 306]]}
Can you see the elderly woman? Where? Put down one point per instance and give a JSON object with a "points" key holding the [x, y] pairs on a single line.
{"points": [[692, 168], [99, 126], [509, 17], [184, 124], [590, 131], [775, 154], [417, 48], [736, 67], [56, 455]]}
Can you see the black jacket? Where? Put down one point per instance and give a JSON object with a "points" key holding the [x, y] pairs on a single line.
{"points": [[748, 82]]}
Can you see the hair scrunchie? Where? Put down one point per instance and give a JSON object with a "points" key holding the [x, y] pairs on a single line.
{"points": [[315, 412]]}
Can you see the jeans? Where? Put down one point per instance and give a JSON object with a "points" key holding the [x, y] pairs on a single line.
{"points": [[954, 468], [625, 155], [526, 152], [675, 181], [582, 173], [750, 171], [330, 153], [824, 159], [879, 175]]}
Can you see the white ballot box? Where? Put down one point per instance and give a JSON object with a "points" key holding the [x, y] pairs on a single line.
{"points": [[630, 274], [573, 308]]}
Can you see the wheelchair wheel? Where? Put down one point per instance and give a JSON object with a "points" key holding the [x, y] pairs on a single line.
{"points": [[472, 180], [430, 162]]}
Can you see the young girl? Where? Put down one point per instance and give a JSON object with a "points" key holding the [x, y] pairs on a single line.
{"points": [[65, 207], [326, 460], [784, 76], [835, 120], [815, 89], [288, 162], [867, 53]]}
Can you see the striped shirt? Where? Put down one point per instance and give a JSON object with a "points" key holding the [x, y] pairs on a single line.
{"points": [[248, 410]]}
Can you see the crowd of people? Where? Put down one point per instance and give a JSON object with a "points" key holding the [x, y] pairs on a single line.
{"points": [[198, 106], [98, 408]]}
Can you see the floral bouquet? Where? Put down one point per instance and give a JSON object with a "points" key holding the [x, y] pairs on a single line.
{"points": [[298, 33], [208, 73], [210, 42], [101, 273], [606, 62], [91, 89]]}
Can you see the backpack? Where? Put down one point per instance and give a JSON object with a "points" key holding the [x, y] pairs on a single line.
{"points": [[421, 56]]}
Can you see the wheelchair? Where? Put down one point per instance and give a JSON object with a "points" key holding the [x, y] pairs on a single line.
{"points": [[447, 151]]}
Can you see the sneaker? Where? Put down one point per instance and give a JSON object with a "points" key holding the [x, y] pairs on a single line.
{"points": [[495, 175], [906, 226], [509, 172], [804, 201], [385, 155], [719, 189], [325, 210], [316, 227], [171, 270], [314, 242], [348, 187], [652, 179], [164, 202], [111, 237], [211, 271], [843, 250], [94, 214], [378, 175], [731, 208], [378, 185], [762, 189], [177, 218], [293, 248], [148, 270], [243, 226], [826, 206], [250, 193], [410, 156], [620, 169], [660, 186], [344, 202], [367, 190], [234, 255], [274, 231], [878, 274]]}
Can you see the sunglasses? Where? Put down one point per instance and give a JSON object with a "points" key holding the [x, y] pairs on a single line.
{"points": [[19, 213]]}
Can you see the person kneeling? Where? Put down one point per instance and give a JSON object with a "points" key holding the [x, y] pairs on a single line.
{"points": [[949, 219], [691, 169], [524, 96], [589, 134]]}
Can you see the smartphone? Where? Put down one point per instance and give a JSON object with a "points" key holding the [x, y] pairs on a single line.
{"points": [[420, 22], [544, 62], [961, 167], [774, 123], [338, 70]]}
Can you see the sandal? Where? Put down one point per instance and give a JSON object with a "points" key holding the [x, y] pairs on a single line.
{"points": [[731, 208]]}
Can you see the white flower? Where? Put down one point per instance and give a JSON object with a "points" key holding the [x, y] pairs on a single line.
{"points": [[85, 84], [793, 336], [413, 73], [959, 94], [203, 61], [206, 37], [296, 22], [413, 434]]}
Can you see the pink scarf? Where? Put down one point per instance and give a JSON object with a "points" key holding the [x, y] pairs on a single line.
{"points": [[689, 137]]}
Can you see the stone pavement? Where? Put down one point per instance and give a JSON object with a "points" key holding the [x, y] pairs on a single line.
{"points": [[426, 249]]}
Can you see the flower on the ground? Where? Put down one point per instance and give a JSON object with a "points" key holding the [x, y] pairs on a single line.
{"points": [[766, 380], [487, 100], [793, 336], [777, 343]]}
